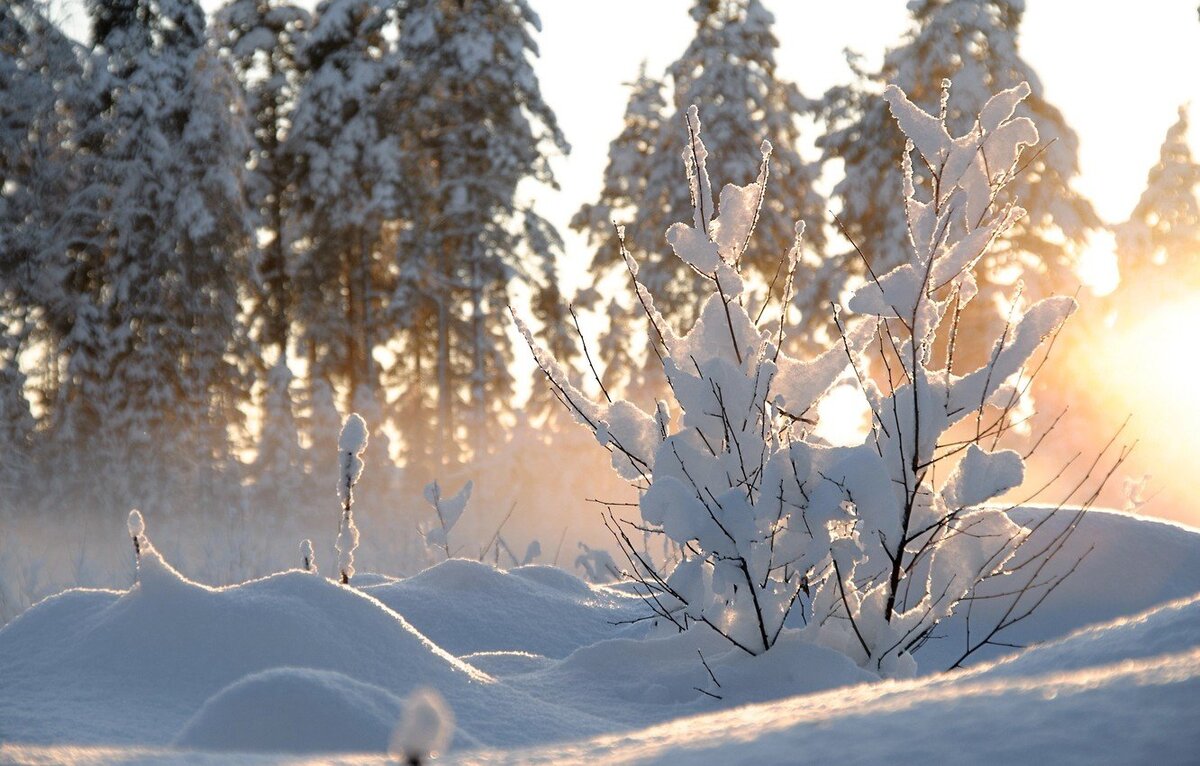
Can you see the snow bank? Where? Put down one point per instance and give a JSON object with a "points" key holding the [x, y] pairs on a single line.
{"points": [[1169, 629], [1130, 711], [300, 663], [133, 667], [1130, 564], [294, 710], [467, 607], [637, 681]]}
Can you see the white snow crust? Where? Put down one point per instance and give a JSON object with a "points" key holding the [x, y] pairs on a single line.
{"points": [[536, 666]]}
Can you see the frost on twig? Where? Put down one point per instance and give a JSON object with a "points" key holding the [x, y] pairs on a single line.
{"points": [[137, 532], [307, 557], [351, 444], [449, 510]]}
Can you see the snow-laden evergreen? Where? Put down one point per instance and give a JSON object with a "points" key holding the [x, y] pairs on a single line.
{"points": [[157, 239], [347, 165], [729, 68], [1164, 228], [36, 62], [475, 126], [278, 465], [260, 40], [973, 43]]}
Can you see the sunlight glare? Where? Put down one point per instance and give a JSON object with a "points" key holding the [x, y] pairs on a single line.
{"points": [[1097, 265], [842, 415], [1147, 367]]}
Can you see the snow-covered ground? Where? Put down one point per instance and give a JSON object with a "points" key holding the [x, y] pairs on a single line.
{"points": [[538, 666]]}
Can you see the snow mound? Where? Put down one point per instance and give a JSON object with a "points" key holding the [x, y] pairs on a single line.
{"points": [[468, 607], [294, 710], [1129, 564], [133, 667], [503, 664], [635, 681], [1132, 712], [1169, 629]]}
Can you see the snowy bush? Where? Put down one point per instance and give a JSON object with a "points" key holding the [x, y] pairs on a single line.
{"points": [[449, 510], [351, 444], [597, 564], [861, 545]]}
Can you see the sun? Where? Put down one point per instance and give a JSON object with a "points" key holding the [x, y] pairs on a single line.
{"points": [[1097, 265], [1144, 364]]}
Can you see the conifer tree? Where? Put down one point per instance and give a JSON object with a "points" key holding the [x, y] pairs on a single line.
{"points": [[474, 126], [729, 72], [636, 180], [1162, 234], [36, 62], [347, 170], [157, 237], [972, 43], [259, 39]]}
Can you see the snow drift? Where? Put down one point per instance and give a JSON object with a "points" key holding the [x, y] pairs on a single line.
{"points": [[92, 666], [465, 607], [297, 663]]}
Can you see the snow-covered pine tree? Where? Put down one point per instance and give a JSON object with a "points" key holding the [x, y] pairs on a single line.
{"points": [[36, 62], [474, 126], [16, 417], [157, 237], [1162, 235], [278, 463], [729, 68], [559, 335], [973, 43], [347, 170], [259, 39], [321, 421], [638, 191], [613, 350], [636, 180]]}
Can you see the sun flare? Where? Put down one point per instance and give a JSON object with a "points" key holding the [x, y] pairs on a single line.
{"points": [[1145, 366]]}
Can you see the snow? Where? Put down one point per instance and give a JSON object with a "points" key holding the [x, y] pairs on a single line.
{"points": [[134, 667], [449, 510], [296, 663], [136, 525], [1135, 712], [308, 557], [293, 710], [351, 443], [467, 607]]}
